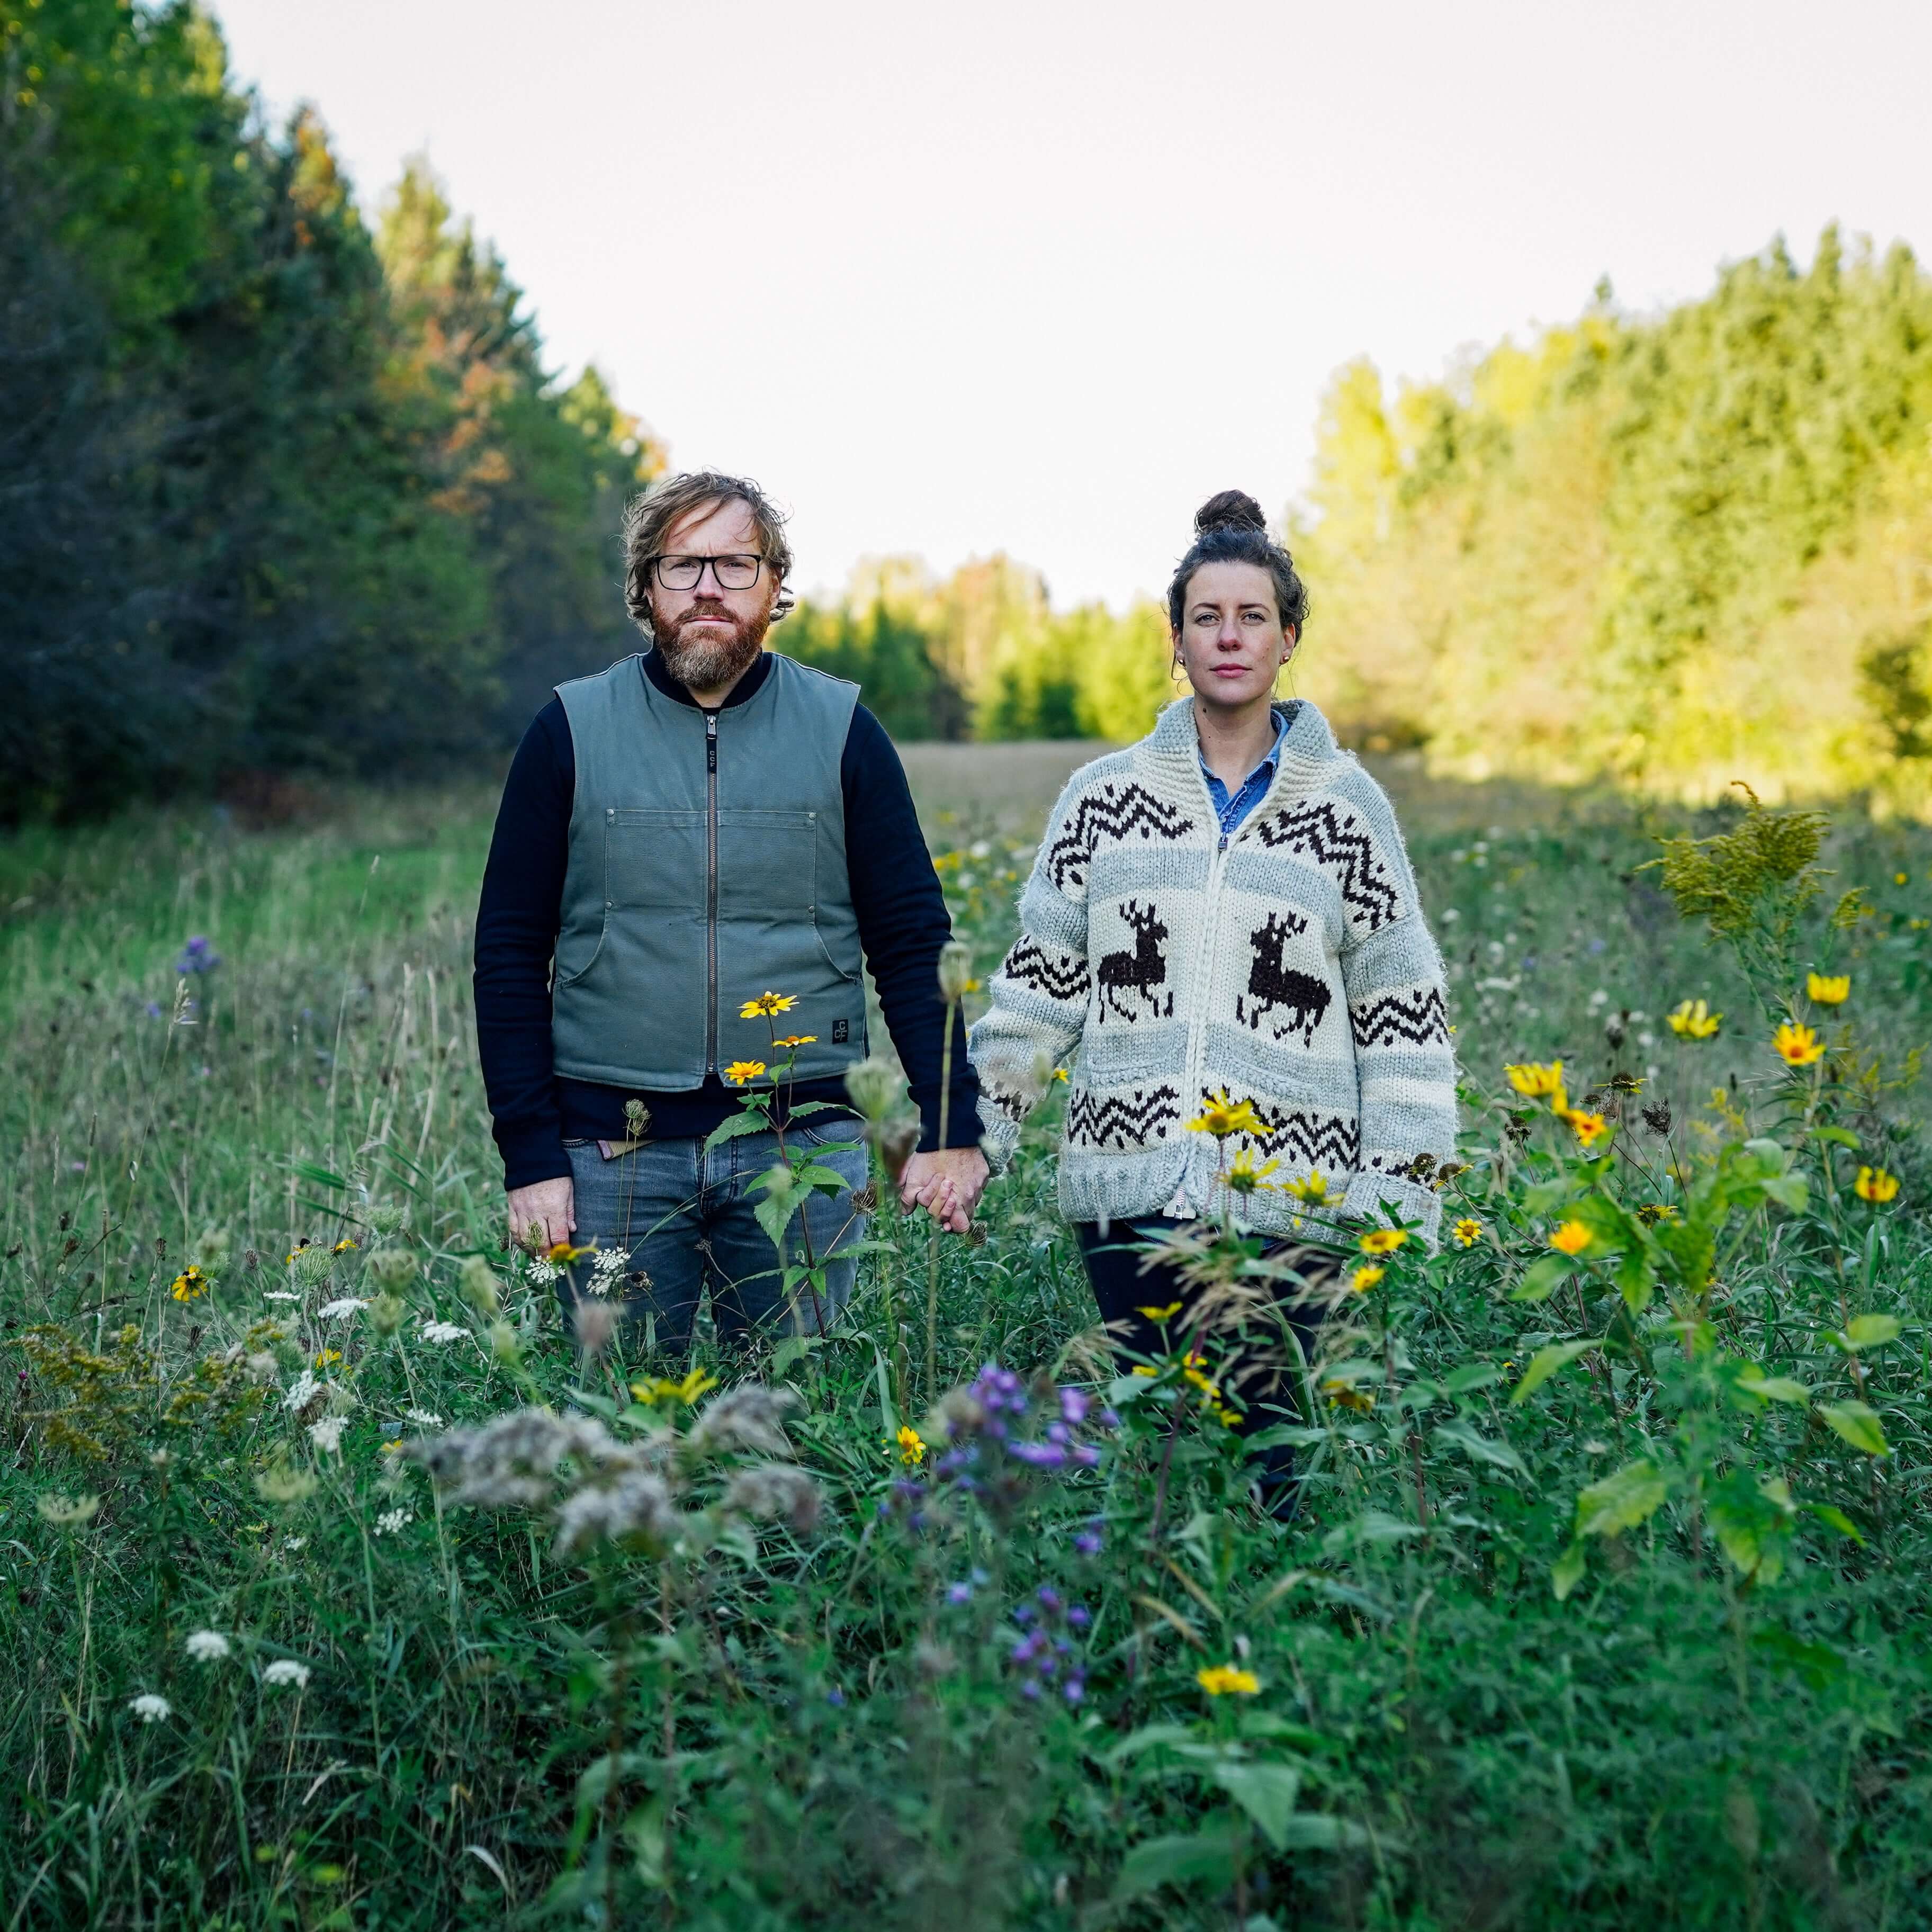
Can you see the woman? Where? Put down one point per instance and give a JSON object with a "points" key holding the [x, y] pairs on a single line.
{"points": [[1224, 908]]}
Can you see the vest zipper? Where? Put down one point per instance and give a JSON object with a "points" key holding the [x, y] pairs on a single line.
{"points": [[711, 892]]}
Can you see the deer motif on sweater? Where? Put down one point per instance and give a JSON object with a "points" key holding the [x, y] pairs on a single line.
{"points": [[1121, 974], [1271, 983]]}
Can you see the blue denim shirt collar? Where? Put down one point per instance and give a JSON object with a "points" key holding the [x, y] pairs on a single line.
{"points": [[1233, 810]]}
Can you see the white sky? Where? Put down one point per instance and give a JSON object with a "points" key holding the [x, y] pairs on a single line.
{"points": [[1040, 277]]}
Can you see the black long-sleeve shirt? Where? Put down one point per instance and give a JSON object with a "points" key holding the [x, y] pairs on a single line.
{"points": [[903, 923]]}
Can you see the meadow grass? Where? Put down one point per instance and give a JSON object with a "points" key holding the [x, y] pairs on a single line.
{"points": [[766, 1720]]}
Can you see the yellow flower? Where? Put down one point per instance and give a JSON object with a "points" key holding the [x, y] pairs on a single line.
{"points": [[1797, 1046], [1467, 1232], [1221, 1117], [912, 1446], [1191, 1369], [1142, 1369], [1694, 1020], [563, 1254], [390, 1448], [1365, 1278], [1572, 1238], [1652, 1212], [766, 1003], [1345, 1395], [1537, 1081], [1382, 1240], [1244, 1177], [190, 1282], [1222, 1680], [741, 1071], [328, 1355], [1898, 878], [797, 1039], [1588, 1128], [1060, 1073], [290, 1256], [1166, 1314], [1832, 989], [344, 1246], [1873, 1183], [659, 1389], [1314, 1190]]}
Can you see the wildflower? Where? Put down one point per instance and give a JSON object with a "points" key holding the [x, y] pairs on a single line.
{"points": [[797, 1039], [1166, 1314], [657, 1389], [1313, 1189], [749, 1416], [561, 1254], [1652, 1212], [394, 1268], [292, 1543], [326, 1434], [1223, 1680], [1694, 1020], [912, 1446], [197, 956], [1467, 1232], [286, 1670], [1875, 1184], [1535, 1080], [150, 1709], [68, 1512], [345, 1246], [190, 1282], [280, 1294], [1060, 1073], [1221, 1117], [1797, 1046], [1142, 1369], [327, 1356], [390, 1448], [207, 1646], [1382, 1240], [280, 1484], [742, 1071], [1244, 1177], [1365, 1278], [440, 1332], [956, 971], [1192, 1371], [774, 1489], [1588, 1128], [391, 1521], [1344, 1394], [341, 1310], [1572, 1238], [767, 1003], [423, 1418], [302, 1391], [875, 1085], [1832, 989]]}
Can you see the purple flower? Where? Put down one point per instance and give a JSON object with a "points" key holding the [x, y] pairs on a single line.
{"points": [[1039, 1455], [1024, 1613], [153, 1011], [1074, 1689], [197, 956], [1029, 1687], [959, 1593], [1086, 1456], [1110, 1418], [835, 1695], [1049, 1599], [1087, 1542], [1080, 1616], [1073, 1407], [1058, 1431]]}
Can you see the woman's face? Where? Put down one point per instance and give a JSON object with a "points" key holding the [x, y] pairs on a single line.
{"points": [[1232, 643]]}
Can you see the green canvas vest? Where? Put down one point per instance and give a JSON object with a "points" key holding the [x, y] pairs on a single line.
{"points": [[707, 866]]}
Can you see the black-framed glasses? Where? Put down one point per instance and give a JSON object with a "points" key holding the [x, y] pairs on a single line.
{"points": [[687, 573]]}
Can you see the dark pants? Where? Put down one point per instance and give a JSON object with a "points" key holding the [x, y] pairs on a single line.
{"points": [[1259, 1372]]}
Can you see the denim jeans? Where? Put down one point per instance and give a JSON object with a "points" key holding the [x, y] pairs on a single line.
{"points": [[686, 1219]]}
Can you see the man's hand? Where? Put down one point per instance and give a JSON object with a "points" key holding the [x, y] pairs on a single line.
{"points": [[947, 1185], [543, 1212]]}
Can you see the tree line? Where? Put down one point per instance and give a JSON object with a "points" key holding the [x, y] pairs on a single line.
{"points": [[1670, 551], [284, 492]]}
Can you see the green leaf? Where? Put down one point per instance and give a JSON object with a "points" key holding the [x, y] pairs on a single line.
{"points": [[1773, 1388], [1836, 1518], [320, 1176], [1543, 1278], [1207, 1857], [1841, 1136], [1483, 1448], [1545, 1363], [1149, 1737], [1266, 1792], [829, 1179], [735, 1127], [1858, 1423], [1545, 1196], [1788, 1190], [1871, 1331], [1470, 1377], [1621, 1501], [1568, 1570]]}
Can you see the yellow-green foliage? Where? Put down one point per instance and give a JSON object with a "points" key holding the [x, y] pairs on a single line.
{"points": [[1672, 551]]}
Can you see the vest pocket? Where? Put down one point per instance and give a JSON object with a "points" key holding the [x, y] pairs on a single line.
{"points": [[767, 863], [654, 858]]}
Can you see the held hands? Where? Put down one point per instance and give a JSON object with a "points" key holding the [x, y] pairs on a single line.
{"points": [[947, 1185], [542, 1213]]}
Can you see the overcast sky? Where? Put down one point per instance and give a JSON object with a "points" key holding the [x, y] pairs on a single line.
{"points": [[1039, 277]]}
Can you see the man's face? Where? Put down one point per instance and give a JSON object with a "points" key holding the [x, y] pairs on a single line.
{"points": [[710, 636]]}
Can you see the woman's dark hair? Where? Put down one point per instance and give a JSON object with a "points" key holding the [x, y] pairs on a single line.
{"points": [[1230, 528]]}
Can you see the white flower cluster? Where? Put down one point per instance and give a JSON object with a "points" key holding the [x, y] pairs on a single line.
{"points": [[286, 1670], [606, 1265], [543, 1271], [150, 1709], [207, 1646], [391, 1521], [341, 1310], [302, 1392], [326, 1435], [423, 1418], [440, 1332], [280, 1294]]}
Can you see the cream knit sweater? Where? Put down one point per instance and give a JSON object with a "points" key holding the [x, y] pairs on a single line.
{"points": [[1290, 967]]}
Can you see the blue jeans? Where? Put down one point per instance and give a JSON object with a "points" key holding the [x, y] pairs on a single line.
{"points": [[685, 1218]]}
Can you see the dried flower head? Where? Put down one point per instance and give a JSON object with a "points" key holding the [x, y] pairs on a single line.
{"points": [[476, 1282], [393, 1269], [67, 1512], [770, 1491], [749, 1416], [956, 971], [876, 1087]]}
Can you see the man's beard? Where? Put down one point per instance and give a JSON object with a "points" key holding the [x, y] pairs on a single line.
{"points": [[708, 662]]}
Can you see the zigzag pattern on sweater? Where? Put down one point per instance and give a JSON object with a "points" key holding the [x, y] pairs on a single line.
{"points": [[1064, 977], [1111, 812], [1417, 1018], [1330, 1141], [1011, 1102], [1113, 1121], [1315, 829]]}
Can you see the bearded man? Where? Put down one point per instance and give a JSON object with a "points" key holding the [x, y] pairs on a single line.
{"points": [[683, 834]]}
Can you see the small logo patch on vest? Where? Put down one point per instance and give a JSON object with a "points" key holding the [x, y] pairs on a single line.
{"points": [[841, 1032]]}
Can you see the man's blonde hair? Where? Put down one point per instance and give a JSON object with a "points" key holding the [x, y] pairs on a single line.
{"points": [[651, 518]]}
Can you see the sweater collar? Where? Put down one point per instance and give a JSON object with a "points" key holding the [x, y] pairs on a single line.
{"points": [[1306, 750]]}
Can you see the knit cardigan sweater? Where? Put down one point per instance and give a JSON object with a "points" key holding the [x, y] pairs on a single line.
{"points": [[1288, 965]]}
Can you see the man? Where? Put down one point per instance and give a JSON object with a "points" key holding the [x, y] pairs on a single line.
{"points": [[680, 835]]}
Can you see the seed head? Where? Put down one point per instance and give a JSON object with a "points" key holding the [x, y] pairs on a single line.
{"points": [[393, 1269], [479, 1286]]}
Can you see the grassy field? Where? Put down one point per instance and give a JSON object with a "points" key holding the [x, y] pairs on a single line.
{"points": [[1606, 1607]]}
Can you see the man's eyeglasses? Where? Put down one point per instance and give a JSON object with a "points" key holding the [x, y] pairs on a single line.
{"points": [[687, 573]]}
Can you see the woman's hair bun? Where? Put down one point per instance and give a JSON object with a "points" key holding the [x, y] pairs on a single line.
{"points": [[1231, 509]]}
